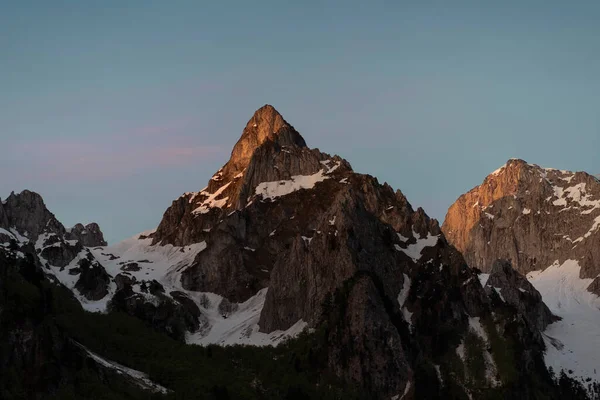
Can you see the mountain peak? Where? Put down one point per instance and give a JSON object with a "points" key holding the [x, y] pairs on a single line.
{"points": [[270, 158], [266, 119], [266, 124]]}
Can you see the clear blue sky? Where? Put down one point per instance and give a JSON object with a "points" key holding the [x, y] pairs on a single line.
{"points": [[112, 109]]}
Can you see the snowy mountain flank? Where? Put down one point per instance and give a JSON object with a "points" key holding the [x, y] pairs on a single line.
{"points": [[287, 245], [547, 223]]}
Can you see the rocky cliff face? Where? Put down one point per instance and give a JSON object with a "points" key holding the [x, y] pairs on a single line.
{"points": [[531, 216], [269, 150], [89, 235], [512, 288], [287, 236], [27, 225], [27, 213], [338, 249], [33, 350]]}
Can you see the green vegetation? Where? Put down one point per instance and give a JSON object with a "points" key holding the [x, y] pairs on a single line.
{"points": [[40, 320], [502, 350], [292, 370], [28, 302], [475, 366]]}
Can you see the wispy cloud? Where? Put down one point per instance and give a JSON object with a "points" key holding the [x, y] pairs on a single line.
{"points": [[110, 156]]}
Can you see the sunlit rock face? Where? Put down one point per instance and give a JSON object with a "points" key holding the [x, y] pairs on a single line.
{"points": [[530, 215], [318, 244]]}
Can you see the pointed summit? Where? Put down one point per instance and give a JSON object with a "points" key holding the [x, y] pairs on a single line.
{"points": [[266, 124], [269, 154]]}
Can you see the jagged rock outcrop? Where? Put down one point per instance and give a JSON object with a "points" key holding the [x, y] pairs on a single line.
{"points": [[269, 150], [93, 280], [174, 315], [339, 249], [514, 289], [359, 358], [31, 228], [3, 216], [60, 253], [295, 235], [27, 213], [531, 216], [89, 235]]}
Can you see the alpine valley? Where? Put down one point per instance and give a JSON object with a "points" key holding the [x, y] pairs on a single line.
{"points": [[290, 276]]}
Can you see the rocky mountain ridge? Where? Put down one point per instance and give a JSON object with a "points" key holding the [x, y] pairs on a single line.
{"points": [[320, 237], [546, 222], [27, 225], [286, 239], [530, 215]]}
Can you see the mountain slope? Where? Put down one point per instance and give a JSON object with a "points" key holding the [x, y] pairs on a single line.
{"points": [[288, 246], [547, 222], [333, 248], [530, 215]]}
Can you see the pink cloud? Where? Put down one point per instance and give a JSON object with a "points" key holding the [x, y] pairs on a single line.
{"points": [[97, 164], [113, 156]]}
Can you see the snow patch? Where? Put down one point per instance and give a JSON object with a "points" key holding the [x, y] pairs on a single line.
{"points": [[20, 238], [483, 278], [330, 168], [241, 326], [498, 171], [577, 194], [408, 318], [307, 239], [460, 351], [403, 295], [491, 370], [166, 264], [572, 343], [141, 379], [414, 250], [272, 190], [211, 201], [7, 233], [498, 291]]}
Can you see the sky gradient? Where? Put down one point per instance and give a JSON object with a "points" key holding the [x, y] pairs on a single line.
{"points": [[112, 109]]}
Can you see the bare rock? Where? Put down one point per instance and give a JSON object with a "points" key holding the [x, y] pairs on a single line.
{"points": [[93, 280], [3, 216], [369, 349], [269, 150], [514, 289], [531, 216], [343, 253], [173, 315], [27, 212], [60, 253], [89, 235], [124, 281]]}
